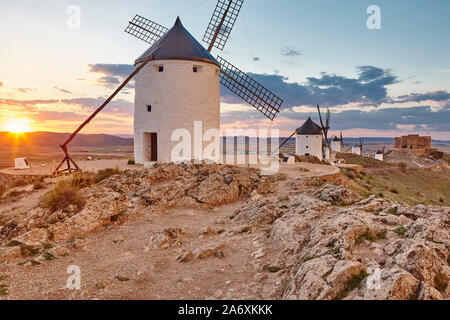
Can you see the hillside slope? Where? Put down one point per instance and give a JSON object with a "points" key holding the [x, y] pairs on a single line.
{"points": [[36, 140], [193, 231]]}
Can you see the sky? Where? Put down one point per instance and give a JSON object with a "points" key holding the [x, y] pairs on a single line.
{"points": [[377, 83]]}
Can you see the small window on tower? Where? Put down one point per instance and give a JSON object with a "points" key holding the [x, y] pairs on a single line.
{"points": [[196, 69], [149, 108], [161, 69]]}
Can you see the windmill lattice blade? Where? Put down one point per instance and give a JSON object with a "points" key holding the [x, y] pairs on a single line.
{"points": [[222, 23], [146, 29], [248, 89]]}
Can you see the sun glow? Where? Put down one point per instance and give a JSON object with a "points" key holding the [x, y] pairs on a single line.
{"points": [[18, 126]]}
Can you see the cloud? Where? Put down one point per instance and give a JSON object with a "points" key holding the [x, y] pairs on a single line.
{"points": [[438, 96], [113, 74], [26, 103], [118, 106], [108, 81], [114, 70], [368, 89], [62, 90], [291, 52], [419, 117], [26, 90], [70, 112]]}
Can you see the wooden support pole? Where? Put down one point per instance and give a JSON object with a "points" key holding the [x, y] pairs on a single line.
{"points": [[67, 157]]}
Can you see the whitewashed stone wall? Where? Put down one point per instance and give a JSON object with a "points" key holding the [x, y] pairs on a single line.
{"points": [[309, 144], [178, 97]]}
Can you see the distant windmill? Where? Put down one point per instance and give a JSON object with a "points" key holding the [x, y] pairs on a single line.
{"points": [[326, 126], [311, 129], [379, 155], [179, 84], [361, 145]]}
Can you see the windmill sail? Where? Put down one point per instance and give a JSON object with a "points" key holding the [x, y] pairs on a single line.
{"points": [[216, 35], [249, 90], [145, 29], [222, 22]]}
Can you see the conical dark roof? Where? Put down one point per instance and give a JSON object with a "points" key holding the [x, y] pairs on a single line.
{"points": [[178, 44], [309, 127], [336, 139]]}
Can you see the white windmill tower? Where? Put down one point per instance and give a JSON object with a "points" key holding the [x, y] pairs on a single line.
{"points": [[179, 87], [176, 89], [177, 84], [336, 144], [309, 140]]}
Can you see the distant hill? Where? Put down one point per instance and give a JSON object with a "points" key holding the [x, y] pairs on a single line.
{"points": [[44, 140], [377, 140]]}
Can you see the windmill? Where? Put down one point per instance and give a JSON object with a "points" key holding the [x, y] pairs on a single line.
{"points": [[325, 126], [166, 47], [379, 155], [311, 129]]}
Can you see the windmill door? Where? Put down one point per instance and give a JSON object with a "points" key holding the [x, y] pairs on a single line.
{"points": [[150, 147], [154, 147]]}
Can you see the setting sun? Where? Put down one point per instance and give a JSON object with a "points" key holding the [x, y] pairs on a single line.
{"points": [[18, 125]]}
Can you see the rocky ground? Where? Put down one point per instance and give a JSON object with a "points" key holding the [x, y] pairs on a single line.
{"points": [[220, 232], [412, 161]]}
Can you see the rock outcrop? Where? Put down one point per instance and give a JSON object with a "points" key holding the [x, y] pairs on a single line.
{"points": [[335, 246]]}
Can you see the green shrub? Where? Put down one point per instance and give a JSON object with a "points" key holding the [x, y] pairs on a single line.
{"points": [[131, 162], [63, 195], [403, 166], [393, 210], [352, 284], [48, 256], [335, 250], [401, 230]]}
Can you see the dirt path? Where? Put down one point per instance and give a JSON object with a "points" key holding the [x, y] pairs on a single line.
{"points": [[118, 262], [47, 169]]}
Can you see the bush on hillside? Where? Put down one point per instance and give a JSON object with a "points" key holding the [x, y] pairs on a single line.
{"points": [[63, 195]]}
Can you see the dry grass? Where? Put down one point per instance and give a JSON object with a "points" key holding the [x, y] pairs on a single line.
{"points": [[11, 182], [366, 162], [63, 195], [412, 187], [86, 179]]}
